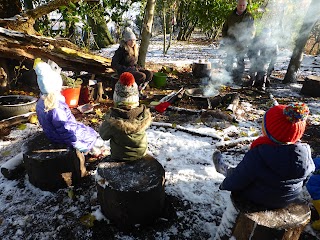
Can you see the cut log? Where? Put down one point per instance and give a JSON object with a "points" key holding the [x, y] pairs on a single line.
{"points": [[13, 168], [235, 99], [311, 86], [131, 192], [52, 166], [252, 222], [25, 47]]}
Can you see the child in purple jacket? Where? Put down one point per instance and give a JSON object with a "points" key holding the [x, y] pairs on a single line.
{"points": [[56, 118]]}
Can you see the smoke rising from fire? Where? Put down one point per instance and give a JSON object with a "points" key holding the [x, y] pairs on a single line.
{"points": [[284, 18]]}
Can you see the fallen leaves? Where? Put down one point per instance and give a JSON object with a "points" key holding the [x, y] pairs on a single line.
{"points": [[88, 220]]}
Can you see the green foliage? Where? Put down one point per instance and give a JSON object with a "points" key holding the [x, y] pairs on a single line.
{"points": [[77, 14], [207, 15], [70, 82], [213, 15]]}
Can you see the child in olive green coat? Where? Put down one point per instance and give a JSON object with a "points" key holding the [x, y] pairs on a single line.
{"points": [[126, 123]]}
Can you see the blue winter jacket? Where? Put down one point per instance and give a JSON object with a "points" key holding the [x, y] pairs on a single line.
{"points": [[313, 185], [60, 126], [271, 176]]}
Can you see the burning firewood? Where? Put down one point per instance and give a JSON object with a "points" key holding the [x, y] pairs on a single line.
{"points": [[217, 118], [235, 99]]}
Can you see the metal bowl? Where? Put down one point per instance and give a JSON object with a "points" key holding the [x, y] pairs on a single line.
{"points": [[13, 105], [201, 93]]}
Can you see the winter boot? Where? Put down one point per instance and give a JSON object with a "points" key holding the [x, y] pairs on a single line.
{"points": [[219, 164], [260, 84], [252, 79], [316, 224], [268, 82]]}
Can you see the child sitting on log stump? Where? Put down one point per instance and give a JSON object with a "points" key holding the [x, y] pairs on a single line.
{"points": [[126, 123], [56, 118], [274, 170]]}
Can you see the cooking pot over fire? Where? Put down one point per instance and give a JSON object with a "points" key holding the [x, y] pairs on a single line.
{"points": [[201, 69], [201, 92]]}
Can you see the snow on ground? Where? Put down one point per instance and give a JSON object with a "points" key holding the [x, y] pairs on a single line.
{"points": [[29, 213]]}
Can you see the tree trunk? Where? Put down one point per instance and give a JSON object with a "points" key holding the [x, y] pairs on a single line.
{"points": [[310, 19], [164, 27], [101, 34], [9, 8], [24, 23], [28, 4], [146, 32]]}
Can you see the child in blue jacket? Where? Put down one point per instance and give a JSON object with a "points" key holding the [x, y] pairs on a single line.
{"points": [[313, 187], [272, 173]]}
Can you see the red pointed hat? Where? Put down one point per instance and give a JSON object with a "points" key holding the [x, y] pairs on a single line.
{"points": [[285, 124], [127, 79]]}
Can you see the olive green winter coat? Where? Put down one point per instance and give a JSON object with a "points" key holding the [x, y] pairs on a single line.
{"points": [[126, 129], [239, 29]]}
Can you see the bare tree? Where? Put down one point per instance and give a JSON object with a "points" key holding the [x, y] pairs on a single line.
{"points": [[146, 32], [310, 20]]}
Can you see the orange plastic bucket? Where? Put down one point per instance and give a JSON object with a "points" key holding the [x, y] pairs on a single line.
{"points": [[72, 96]]}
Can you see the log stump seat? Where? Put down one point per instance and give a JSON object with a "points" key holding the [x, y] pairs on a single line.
{"points": [[256, 224], [52, 166], [131, 192], [311, 86]]}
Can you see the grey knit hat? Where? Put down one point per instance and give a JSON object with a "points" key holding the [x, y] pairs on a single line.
{"points": [[128, 34]]}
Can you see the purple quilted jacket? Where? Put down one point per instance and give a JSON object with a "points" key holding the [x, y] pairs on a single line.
{"points": [[60, 126]]}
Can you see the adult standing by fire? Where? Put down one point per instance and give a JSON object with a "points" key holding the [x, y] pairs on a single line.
{"points": [[237, 32], [126, 57]]}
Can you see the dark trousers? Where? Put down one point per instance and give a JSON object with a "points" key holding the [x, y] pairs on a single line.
{"points": [[142, 75]]}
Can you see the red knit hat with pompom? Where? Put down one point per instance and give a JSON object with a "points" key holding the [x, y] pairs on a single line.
{"points": [[127, 79], [126, 91], [285, 124]]}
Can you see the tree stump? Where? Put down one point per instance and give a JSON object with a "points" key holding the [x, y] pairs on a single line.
{"points": [[131, 192], [311, 86], [52, 166], [256, 224]]}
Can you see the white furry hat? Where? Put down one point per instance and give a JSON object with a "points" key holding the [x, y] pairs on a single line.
{"points": [[48, 80], [128, 34]]}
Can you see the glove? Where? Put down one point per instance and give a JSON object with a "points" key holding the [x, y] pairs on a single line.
{"points": [[36, 61], [161, 107]]}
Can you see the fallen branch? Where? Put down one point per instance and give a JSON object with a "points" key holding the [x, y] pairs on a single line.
{"points": [[16, 120], [234, 143], [186, 130], [24, 47], [185, 110], [276, 78]]}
